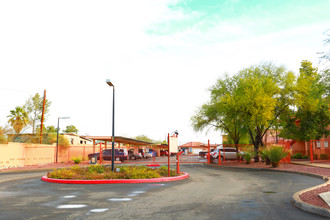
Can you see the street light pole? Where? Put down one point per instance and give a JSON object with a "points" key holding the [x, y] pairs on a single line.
{"points": [[113, 125], [58, 128]]}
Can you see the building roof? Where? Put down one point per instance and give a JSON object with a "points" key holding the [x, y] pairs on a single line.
{"points": [[76, 135], [119, 139], [197, 144]]}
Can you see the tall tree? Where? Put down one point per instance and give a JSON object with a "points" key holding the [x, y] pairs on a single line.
{"points": [[144, 138], [266, 93], [33, 106], [222, 111], [310, 116], [71, 129], [18, 119]]}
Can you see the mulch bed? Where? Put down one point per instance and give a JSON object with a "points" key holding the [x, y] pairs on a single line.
{"points": [[312, 197]]}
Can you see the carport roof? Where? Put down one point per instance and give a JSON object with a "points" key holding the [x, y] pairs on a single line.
{"points": [[119, 139]]}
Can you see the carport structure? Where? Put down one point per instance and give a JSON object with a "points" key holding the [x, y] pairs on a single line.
{"points": [[119, 140]]}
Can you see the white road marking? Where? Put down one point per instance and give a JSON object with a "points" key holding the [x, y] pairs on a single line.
{"points": [[71, 206], [120, 199], [98, 210], [69, 196], [138, 192]]}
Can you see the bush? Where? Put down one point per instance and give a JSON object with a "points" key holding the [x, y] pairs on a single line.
{"points": [[248, 155], [77, 160], [305, 157], [102, 172], [323, 156], [275, 153], [297, 156]]}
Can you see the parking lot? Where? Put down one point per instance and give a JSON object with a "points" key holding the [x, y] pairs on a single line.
{"points": [[209, 193]]}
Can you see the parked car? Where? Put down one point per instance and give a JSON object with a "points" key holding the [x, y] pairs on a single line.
{"points": [[227, 153], [205, 153], [107, 155], [134, 156]]}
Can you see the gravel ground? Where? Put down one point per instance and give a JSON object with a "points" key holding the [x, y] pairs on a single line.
{"points": [[311, 197]]}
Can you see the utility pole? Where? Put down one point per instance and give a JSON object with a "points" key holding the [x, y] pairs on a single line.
{"points": [[42, 116]]}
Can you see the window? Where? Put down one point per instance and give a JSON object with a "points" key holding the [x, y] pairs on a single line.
{"points": [[81, 142], [71, 140], [318, 144], [326, 144]]}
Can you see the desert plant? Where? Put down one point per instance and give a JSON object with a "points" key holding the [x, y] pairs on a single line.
{"points": [[264, 157], [76, 160], [275, 153], [248, 155]]}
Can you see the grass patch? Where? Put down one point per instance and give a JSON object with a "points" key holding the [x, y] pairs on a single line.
{"points": [[99, 172]]}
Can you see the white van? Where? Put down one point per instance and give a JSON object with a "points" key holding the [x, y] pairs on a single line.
{"points": [[226, 153]]}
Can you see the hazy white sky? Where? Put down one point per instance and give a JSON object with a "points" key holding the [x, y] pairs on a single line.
{"points": [[162, 56]]}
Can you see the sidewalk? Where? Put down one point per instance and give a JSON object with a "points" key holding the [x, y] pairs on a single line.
{"points": [[314, 164]]}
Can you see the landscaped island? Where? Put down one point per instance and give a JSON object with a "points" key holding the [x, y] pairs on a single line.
{"points": [[99, 174]]}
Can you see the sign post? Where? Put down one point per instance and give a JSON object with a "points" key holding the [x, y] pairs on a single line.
{"points": [[172, 147]]}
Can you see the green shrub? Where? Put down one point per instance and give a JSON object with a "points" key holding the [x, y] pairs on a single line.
{"points": [[102, 172], [76, 160], [275, 153], [96, 168], [297, 156], [305, 157], [248, 155], [323, 156], [163, 171]]}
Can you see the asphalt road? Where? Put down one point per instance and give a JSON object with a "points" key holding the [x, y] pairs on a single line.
{"points": [[209, 193]]}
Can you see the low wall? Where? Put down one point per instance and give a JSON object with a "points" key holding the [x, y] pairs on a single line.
{"points": [[21, 154]]}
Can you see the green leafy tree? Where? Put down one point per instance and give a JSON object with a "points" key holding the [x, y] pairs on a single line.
{"points": [[266, 94], [249, 102], [222, 111], [52, 139], [71, 129], [310, 117], [18, 119], [3, 134], [51, 129], [144, 138], [33, 106]]}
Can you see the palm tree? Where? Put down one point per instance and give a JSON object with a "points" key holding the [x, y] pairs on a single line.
{"points": [[18, 119]]}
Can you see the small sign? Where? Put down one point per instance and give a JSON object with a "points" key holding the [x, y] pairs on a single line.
{"points": [[93, 160], [174, 145]]}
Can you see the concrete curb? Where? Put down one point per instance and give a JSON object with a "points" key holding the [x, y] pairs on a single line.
{"points": [[296, 201], [116, 181]]}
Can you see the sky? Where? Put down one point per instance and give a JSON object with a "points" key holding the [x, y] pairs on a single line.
{"points": [[161, 55]]}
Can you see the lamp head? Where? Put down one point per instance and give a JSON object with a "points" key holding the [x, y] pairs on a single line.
{"points": [[63, 117], [109, 83]]}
